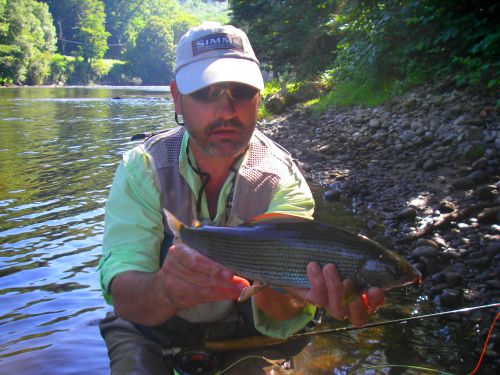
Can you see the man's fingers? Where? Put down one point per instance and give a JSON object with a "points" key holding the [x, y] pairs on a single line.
{"points": [[335, 292], [197, 268], [318, 294], [191, 278], [357, 313]]}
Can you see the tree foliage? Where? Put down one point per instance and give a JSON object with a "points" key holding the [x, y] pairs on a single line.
{"points": [[91, 30], [216, 11], [65, 14], [154, 54], [289, 35], [27, 41], [376, 40]]}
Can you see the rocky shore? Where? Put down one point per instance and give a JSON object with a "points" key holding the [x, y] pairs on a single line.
{"points": [[426, 168]]}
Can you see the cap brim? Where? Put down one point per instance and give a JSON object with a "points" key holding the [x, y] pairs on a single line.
{"points": [[203, 73]]}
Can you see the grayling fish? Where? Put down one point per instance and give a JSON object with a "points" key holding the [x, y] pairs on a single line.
{"points": [[277, 253]]}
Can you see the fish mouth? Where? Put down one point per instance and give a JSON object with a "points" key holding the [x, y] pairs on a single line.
{"points": [[413, 275], [414, 278]]}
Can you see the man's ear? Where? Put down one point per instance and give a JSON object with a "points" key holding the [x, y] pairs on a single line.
{"points": [[176, 96]]}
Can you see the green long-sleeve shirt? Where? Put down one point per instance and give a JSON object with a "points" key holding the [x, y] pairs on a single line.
{"points": [[134, 224]]}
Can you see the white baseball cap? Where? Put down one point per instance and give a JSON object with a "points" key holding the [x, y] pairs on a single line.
{"points": [[212, 53]]}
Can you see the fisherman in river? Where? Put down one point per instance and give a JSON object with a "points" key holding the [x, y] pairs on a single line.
{"points": [[216, 169]]}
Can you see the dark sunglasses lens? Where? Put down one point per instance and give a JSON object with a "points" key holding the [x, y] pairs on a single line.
{"points": [[243, 92], [203, 94], [213, 93]]}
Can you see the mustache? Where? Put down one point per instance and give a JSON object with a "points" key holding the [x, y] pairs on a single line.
{"points": [[233, 123]]}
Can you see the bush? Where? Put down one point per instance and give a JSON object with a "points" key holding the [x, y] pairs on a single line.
{"points": [[60, 68], [39, 70], [120, 74]]}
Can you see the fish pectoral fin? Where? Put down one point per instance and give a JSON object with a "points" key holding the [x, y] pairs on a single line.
{"points": [[173, 223], [353, 288], [249, 291]]}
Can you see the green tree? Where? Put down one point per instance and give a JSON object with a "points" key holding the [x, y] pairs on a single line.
{"points": [[181, 24], [126, 18], [65, 14], [400, 41], [289, 35], [119, 22], [91, 30], [408, 40], [207, 10], [153, 58], [27, 41]]}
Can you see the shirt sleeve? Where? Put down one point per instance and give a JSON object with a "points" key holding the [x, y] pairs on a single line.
{"points": [[133, 222], [284, 328], [293, 197]]}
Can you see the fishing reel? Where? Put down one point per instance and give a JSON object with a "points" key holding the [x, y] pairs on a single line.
{"points": [[194, 362]]}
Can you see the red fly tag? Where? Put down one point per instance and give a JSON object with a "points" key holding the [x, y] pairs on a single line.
{"points": [[364, 298]]}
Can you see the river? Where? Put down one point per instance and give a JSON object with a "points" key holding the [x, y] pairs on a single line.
{"points": [[59, 147]]}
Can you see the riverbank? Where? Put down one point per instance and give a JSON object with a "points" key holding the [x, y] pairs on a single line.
{"points": [[425, 168]]}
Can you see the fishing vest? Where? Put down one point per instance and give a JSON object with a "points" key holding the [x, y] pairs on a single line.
{"points": [[258, 177]]}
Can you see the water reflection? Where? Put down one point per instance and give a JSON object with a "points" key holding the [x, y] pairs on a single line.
{"points": [[59, 148]]}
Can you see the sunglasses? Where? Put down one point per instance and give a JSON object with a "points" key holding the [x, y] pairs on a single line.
{"points": [[237, 92]]}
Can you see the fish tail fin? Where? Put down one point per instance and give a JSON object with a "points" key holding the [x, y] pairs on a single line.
{"points": [[174, 224]]}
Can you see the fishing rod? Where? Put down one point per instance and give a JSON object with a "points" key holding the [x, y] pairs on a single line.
{"points": [[402, 320], [204, 359], [262, 341]]}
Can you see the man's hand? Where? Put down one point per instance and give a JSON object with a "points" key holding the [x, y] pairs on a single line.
{"points": [[189, 278], [327, 290], [185, 279]]}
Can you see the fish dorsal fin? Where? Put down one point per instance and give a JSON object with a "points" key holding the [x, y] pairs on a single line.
{"points": [[275, 217]]}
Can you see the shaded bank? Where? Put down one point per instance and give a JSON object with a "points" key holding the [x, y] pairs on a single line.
{"points": [[424, 168]]}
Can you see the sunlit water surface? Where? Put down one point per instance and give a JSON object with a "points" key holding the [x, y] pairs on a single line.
{"points": [[59, 148]]}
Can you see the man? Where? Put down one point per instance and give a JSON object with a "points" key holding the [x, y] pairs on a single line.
{"points": [[216, 169]]}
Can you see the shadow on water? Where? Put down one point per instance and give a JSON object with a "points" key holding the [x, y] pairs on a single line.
{"points": [[59, 148]]}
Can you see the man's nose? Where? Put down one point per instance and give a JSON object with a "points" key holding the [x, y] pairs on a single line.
{"points": [[226, 106]]}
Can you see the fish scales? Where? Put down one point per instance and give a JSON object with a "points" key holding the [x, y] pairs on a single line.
{"points": [[276, 255]]}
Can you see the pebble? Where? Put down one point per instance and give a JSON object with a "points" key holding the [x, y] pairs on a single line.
{"points": [[425, 251], [332, 195], [450, 298], [408, 213]]}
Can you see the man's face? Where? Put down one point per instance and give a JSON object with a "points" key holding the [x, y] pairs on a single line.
{"points": [[221, 118]]}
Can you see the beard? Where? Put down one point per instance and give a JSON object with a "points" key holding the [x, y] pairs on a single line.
{"points": [[231, 146]]}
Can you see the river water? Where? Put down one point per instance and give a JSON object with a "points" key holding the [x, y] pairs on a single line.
{"points": [[59, 148]]}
